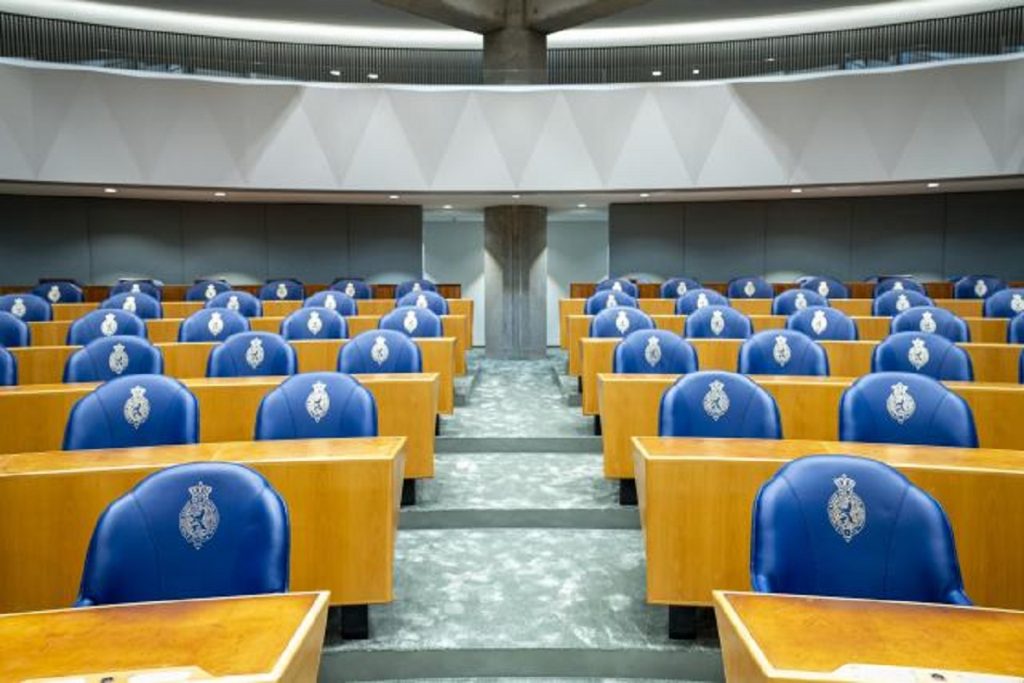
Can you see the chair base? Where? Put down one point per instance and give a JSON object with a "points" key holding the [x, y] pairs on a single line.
{"points": [[687, 623], [597, 425], [408, 492], [627, 492], [351, 622]]}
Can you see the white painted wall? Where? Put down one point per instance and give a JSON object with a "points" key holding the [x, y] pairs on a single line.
{"points": [[577, 252], [453, 251]]}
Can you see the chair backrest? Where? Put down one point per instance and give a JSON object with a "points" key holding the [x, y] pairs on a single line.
{"points": [[355, 289], [842, 526], [678, 286], [212, 325], [618, 322], [326, 405], [750, 288], [898, 284], [697, 299], [1007, 303], [654, 352], [432, 300], [142, 305], [380, 351], [932, 320], [793, 300], [287, 289], [252, 354], [8, 368], [1014, 329], [782, 352], [59, 292], [822, 323], [404, 288], [147, 287], [895, 302], [314, 322], [340, 302], [618, 284], [199, 530], [718, 322], [105, 358], [901, 407], [413, 321], [204, 290], [14, 331], [718, 404], [828, 287], [977, 286], [26, 307], [237, 300], [926, 354], [105, 322], [133, 411], [608, 299]]}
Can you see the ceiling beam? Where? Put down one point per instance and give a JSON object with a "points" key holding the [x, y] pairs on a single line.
{"points": [[549, 16], [479, 16]]}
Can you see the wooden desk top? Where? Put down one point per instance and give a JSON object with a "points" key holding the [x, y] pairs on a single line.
{"points": [[257, 637]]}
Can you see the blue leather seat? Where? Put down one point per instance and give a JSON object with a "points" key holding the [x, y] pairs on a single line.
{"points": [[236, 300], [822, 323], [1014, 330], [27, 307], [314, 322], [1007, 303], [677, 287], [895, 302], [252, 354], [901, 407], [697, 299], [842, 526], [199, 530], [927, 354], [212, 325], [977, 287], [413, 321], [105, 322], [898, 284], [782, 352], [380, 351], [721, 405], [793, 300], [618, 322], [59, 292], [14, 331], [335, 301], [317, 405], [147, 287], [287, 289], [608, 299], [618, 284], [8, 368], [717, 322], [355, 289], [750, 288], [204, 290], [828, 287], [432, 300], [142, 305], [134, 411], [105, 358], [658, 352], [932, 320], [404, 288]]}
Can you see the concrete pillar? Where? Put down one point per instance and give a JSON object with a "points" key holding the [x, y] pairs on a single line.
{"points": [[515, 281], [515, 55]]}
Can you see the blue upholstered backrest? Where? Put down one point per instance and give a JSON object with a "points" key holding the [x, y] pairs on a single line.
{"points": [[356, 289], [678, 286], [212, 325], [608, 299], [927, 354], [146, 287], [895, 302], [793, 300], [59, 292], [404, 288], [413, 321], [206, 290], [252, 354], [977, 286], [822, 323], [286, 289], [13, 330], [618, 284], [8, 368], [317, 405], [750, 288], [899, 284], [105, 322], [336, 301], [656, 352], [618, 322], [26, 307], [380, 351], [432, 300], [718, 322], [696, 299], [1014, 330], [828, 287], [236, 300], [314, 322], [1007, 303], [932, 320], [782, 352], [105, 358], [718, 404], [141, 304]]}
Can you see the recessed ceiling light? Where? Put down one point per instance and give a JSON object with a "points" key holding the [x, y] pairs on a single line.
{"points": [[796, 190], [394, 196], [581, 206], [335, 72], [373, 76], [656, 73], [447, 207], [696, 72], [515, 196], [769, 59], [645, 195], [933, 185], [110, 190], [220, 194]]}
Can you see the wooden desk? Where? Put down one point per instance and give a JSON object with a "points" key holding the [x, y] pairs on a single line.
{"points": [[697, 495], [343, 498], [171, 309], [788, 638], [262, 638]]}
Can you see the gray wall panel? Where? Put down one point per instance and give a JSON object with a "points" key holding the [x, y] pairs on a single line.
{"points": [[135, 238], [898, 235], [803, 235], [27, 224], [652, 245], [225, 240], [985, 234], [724, 239], [307, 238], [386, 243]]}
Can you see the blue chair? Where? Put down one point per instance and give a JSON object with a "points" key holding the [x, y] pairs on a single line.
{"points": [[252, 354], [335, 301], [14, 331], [618, 322], [720, 405], [142, 305], [287, 289], [59, 292], [932, 320], [895, 302], [822, 323], [106, 358], [1014, 331], [842, 526], [1006, 303], [314, 322], [404, 288], [927, 354], [977, 287], [413, 321], [8, 368], [204, 290], [750, 288], [619, 284], [697, 299], [782, 352], [134, 411], [793, 300], [199, 530], [380, 351], [717, 322], [212, 325], [317, 405], [147, 287], [236, 300], [355, 289], [906, 408], [26, 307], [898, 284], [105, 323], [677, 287], [608, 299], [432, 300], [828, 287], [658, 352]]}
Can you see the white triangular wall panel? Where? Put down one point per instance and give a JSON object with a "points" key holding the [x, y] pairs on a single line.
{"points": [[53, 93], [560, 156], [292, 157], [604, 117], [473, 161], [984, 93], [646, 161], [384, 159], [517, 119], [694, 116], [781, 125], [339, 117], [741, 155], [17, 127], [197, 154], [1014, 116], [428, 126]]}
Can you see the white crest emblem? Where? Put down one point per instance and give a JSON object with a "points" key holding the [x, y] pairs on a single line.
{"points": [[902, 303], [897, 286], [702, 300], [216, 324], [823, 288], [350, 289], [1016, 303], [199, 517], [716, 401], [819, 323], [421, 302], [717, 322], [129, 304], [681, 288], [846, 510], [611, 302], [18, 308], [331, 302], [318, 402], [54, 294], [254, 354], [622, 322], [136, 408], [118, 360], [652, 354], [918, 354], [211, 291], [233, 304], [980, 289], [900, 404], [314, 324], [282, 290], [749, 289], [136, 289], [416, 287], [781, 353], [109, 325], [411, 322], [928, 323], [801, 301], [380, 352]]}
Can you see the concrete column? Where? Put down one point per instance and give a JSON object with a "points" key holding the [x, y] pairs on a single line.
{"points": [[515, 55], [515, 281]]}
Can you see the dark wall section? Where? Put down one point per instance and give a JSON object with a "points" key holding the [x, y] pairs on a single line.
{"points": [[96, 240], [934, 236]]}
